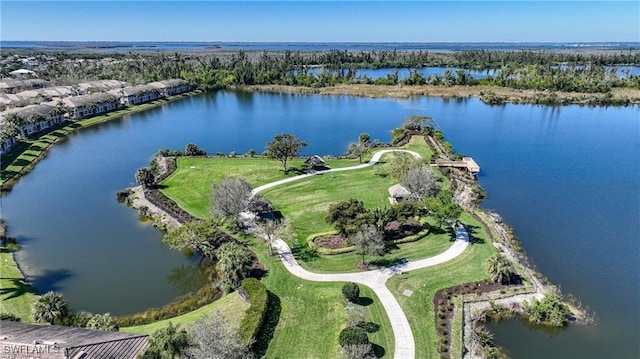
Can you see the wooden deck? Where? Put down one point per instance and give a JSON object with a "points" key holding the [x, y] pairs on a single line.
{"points": [[467, 162]]}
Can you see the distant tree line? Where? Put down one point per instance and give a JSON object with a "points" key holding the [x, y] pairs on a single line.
{"points": [[525, 69]]}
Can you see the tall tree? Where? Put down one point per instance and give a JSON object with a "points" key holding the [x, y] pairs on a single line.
{"points": [[200, 236], [144, 177], [415, 122], [401, 163], [356, 150], [368, 241], [443, 208], [285, 147], [230, 197], [234, 264], [214, 338], [364, 139], [191, 149], [348, 216], [421, 182], [51, 308]]}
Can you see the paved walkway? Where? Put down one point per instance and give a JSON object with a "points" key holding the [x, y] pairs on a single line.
{"points": [[374, 279]]}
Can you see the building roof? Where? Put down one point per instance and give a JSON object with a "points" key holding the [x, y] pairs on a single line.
{"points": [[67, 342], [398, 191], [103, 85], [134, 90], [22, 72], [27, 111], [77, 101], [167, 83], [10, 83]]}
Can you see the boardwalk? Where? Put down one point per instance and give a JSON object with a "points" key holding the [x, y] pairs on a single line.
{"points": [[467, 162]]}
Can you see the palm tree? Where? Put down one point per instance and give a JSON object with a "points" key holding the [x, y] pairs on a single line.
{"points": [[145, 177], [50, 308], [499, 269], [16, 121]]}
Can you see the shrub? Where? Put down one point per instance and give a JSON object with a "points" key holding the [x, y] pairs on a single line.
{"points": [[351, 292], [9, 317], [254, 316], [353, 336]]}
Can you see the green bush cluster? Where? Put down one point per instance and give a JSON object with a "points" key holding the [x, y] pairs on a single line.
{"points": [[254, 316], [353, 336], [351, 292], [550, 310], [181, 305]]}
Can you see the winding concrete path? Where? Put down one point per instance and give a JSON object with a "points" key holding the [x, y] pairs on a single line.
{"points": [[374, 279]]}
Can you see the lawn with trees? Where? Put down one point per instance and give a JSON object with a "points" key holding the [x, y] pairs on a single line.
{"points": [[308, 308]]}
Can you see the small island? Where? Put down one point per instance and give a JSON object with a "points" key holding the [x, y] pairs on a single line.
{"points": [[404, 213]]}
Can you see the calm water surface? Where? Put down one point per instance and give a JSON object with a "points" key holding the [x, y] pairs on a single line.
{"points": [[567, 180]]}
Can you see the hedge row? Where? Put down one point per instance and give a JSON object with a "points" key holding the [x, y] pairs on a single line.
{"points": [[329, 251], [181, 305], [254, 316]]}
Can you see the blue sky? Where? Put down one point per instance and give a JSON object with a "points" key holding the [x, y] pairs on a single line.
{"points": [[321, 21]]}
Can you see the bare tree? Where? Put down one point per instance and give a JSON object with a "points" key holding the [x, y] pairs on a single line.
{"points": [[421, 182], [357, 351], [401, 163], [368, 241], [213, 338], [271, 230], [230, 197]]}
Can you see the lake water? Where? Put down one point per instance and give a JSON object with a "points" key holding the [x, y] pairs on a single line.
{"points": [[566, 178], [404, 72], [319, 46]]}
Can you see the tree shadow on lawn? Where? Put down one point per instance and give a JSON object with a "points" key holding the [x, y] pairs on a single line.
{"points": [[16, 289], [269, 327], [304, 253], [21, 162], [473, 234], [378, 351], [364, 301]]}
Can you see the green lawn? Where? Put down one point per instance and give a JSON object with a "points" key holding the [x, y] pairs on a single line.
{"points": [[190, 184], [424, 283], [16, 296], [232, 307], [306, 202], [313, 313]]}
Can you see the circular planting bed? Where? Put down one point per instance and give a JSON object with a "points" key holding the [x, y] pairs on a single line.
{"points": [[333, 241]]}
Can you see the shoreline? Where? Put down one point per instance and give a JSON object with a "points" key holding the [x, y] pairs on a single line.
{"points": [[67, 129], [504, 94], [499, 233]]}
